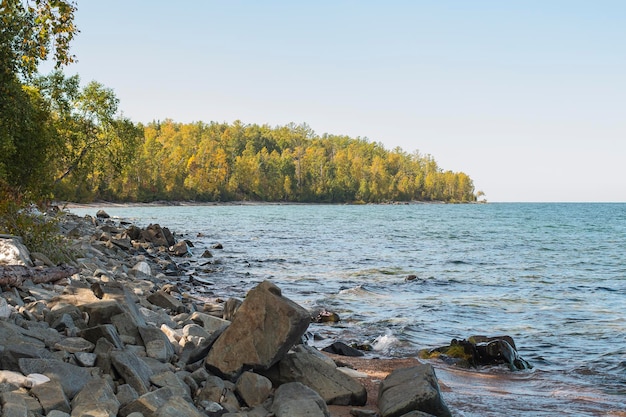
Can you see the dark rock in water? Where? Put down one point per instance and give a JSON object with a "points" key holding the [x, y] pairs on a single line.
{"points": [[206, 254], [101, 214], [180, 249], [217, 246], [410, 277], [340, 348], [480, 351], [326, 317]]}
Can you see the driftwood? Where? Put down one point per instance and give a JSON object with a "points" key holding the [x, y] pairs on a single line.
{"points": [[15, 275]]}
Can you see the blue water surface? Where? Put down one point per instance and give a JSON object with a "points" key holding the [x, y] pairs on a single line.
{"points": [[552, 276]]}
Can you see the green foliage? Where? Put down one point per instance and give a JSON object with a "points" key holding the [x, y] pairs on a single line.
{"points": [[34, 30], [39, 232], [221, 162]]}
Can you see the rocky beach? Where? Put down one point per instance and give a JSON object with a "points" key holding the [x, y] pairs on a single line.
{"points": [[122, 330]]}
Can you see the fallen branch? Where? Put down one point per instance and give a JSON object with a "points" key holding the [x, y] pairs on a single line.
{"points": [[15, 275]]}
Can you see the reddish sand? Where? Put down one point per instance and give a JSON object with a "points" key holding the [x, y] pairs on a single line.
{"points": [[376, 370]]}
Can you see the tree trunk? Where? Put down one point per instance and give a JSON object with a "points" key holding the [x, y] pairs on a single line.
{"points": [[15, 275]]}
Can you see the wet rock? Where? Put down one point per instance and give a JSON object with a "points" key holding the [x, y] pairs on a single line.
{"points": [[206, 254], [325, 316], [480, 351], [411, 389], [340, 348], [297, 400], [101, 214], [265, 327], [180, 249]]}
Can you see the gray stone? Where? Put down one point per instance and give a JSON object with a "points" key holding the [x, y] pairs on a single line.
{"points": [[86, 359], [177, 407], [210, 323], [106, 331], [133, 370], [297, 400], [96, 398], [71, 377], [13, 405], [334, 386], [51, 396], [253, 388], [100, 312], [266, 326], [126, 394], [158, 346], [172, 381], [167, 301], [411, 389], [57, 413], [147, 404], [74, 345]]}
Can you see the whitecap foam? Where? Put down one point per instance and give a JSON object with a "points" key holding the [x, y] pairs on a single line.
{"points": [[385, 342]]}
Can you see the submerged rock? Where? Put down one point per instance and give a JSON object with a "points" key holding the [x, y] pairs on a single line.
{"points": [[480, 351]]}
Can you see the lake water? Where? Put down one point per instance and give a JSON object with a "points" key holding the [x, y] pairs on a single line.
{"points": [[552, 276]]}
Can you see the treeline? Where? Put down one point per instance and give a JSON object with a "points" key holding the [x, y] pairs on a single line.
{"points": [[225, 162], [61, 140]]}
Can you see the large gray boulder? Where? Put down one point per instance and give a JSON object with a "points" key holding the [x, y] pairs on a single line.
{"points": [[265, 327], [297, 400], [411, 389], [334, 386]]}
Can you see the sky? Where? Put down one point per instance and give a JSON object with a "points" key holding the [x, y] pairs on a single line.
{"points": [[526, 97]]}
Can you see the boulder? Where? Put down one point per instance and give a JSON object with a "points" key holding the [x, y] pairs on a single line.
{"points": [[166, 301], [133, 370], [265, 327], [411, 389], [13, 405], [297, 400], [148, 403], [158, 346], [101, 214], [95, 399], [253, 388], [180, 249], [334, 386], [51, 396]]}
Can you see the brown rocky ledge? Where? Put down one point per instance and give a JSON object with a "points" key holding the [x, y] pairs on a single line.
{"points": [[123, 335]]}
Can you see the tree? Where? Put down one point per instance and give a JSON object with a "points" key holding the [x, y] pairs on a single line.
{"points": [[34, 30], [31, 32]]}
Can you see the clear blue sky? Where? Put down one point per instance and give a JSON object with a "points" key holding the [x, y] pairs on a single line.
{"points": [[526, 97]]}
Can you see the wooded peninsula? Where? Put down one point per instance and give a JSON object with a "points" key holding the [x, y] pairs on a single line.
{"points": [[65, 141]]}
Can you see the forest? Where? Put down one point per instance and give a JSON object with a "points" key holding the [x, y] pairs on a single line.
{"points": [[62, 140]]}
